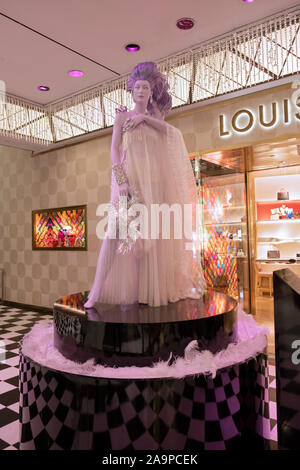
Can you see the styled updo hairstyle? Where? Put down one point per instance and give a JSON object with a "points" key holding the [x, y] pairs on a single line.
{"points": [[158, 83]]}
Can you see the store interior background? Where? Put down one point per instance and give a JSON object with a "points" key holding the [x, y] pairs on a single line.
{"points": [[238, 246], [235, 86]]}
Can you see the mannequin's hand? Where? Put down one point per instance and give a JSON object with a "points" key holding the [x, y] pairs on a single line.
{"points": [[122, 109], [124, 189], [133, 121]]}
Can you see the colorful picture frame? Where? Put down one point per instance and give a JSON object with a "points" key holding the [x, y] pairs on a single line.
{"points": [[60, 228]]}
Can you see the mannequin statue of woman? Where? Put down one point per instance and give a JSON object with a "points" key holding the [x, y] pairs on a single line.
{"points": [[149, 155]]}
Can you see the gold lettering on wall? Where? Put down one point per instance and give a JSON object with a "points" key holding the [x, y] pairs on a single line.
{"points": [[262, 117], [297, 115], [286, 107], [237, 115], [281, 113], [222, 126]]}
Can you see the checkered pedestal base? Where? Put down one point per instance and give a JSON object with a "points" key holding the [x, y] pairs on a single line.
{"points": [[71, 412]]}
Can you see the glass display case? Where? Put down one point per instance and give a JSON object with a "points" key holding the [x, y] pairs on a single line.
{"points": [[222, 192]]}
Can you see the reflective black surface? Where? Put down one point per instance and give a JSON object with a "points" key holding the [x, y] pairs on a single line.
{"points": [[61, 411], [138, 334], [212, 304], [287, 347]]}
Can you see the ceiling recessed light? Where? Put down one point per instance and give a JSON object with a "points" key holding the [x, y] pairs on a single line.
{"points": [[132, 47], [185, 23], [75, 73], [43, 88], [248, 1]]}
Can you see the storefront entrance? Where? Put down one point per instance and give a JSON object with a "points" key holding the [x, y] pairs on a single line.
{"points": [[251, 221], [273, 185]]}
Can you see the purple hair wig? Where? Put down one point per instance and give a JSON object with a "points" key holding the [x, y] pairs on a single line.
{"points": [[158, 83]]}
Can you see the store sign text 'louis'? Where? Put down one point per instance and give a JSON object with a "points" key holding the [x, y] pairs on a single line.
{"points": [[266, 116]]}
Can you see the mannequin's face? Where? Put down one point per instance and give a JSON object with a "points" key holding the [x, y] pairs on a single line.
{"points": [[141, 91]]}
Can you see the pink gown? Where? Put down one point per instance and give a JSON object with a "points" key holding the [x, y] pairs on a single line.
{"points": [[155, 271]]}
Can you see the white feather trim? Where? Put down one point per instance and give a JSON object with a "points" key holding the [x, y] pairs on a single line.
{"points": [[250, 339]]}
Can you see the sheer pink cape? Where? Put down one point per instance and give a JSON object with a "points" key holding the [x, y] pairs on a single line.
{"points": [[156, 271]]}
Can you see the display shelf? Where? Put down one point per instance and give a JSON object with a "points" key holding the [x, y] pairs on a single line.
{"points": [[277, 221], [278, 260], [278, 201], [241, 208], [281, 235], [280, 242], [267, 209], [225, 223]]}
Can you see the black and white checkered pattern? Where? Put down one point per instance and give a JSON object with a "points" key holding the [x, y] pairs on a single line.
{"points": [[14, 323], [125, 411], [69, 325], [65, 411]]}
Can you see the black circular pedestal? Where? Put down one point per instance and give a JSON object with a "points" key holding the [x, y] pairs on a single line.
{"points": [[63, 411], [75, 411], [137, 334]]}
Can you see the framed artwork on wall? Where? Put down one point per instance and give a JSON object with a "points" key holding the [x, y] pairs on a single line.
{"points": [[60, 228]]}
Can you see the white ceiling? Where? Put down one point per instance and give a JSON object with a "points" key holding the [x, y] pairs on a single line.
{"points": [[99, 30]]}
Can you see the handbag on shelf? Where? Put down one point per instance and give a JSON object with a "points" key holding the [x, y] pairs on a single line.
{"points": [[283, 195], [273, 254]]}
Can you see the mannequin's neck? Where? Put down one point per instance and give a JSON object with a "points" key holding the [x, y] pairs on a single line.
{"points": [[140, 108]]}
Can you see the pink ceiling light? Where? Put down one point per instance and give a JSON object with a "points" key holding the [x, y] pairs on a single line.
{"points": [[43, 88], [185, 23], [132, 47], [75, 73]]}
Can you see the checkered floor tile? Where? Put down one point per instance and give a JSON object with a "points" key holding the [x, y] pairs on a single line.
{"points": [[14, 323]]}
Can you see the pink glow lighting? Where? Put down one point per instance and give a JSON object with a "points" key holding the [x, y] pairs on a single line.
{"points": [[132, 47], [43, 88], [248, 1], [75, 73]]}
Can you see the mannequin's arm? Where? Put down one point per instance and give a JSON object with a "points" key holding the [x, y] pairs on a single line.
{"points": [[158, 124], [116, 139], [115, 153]]}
